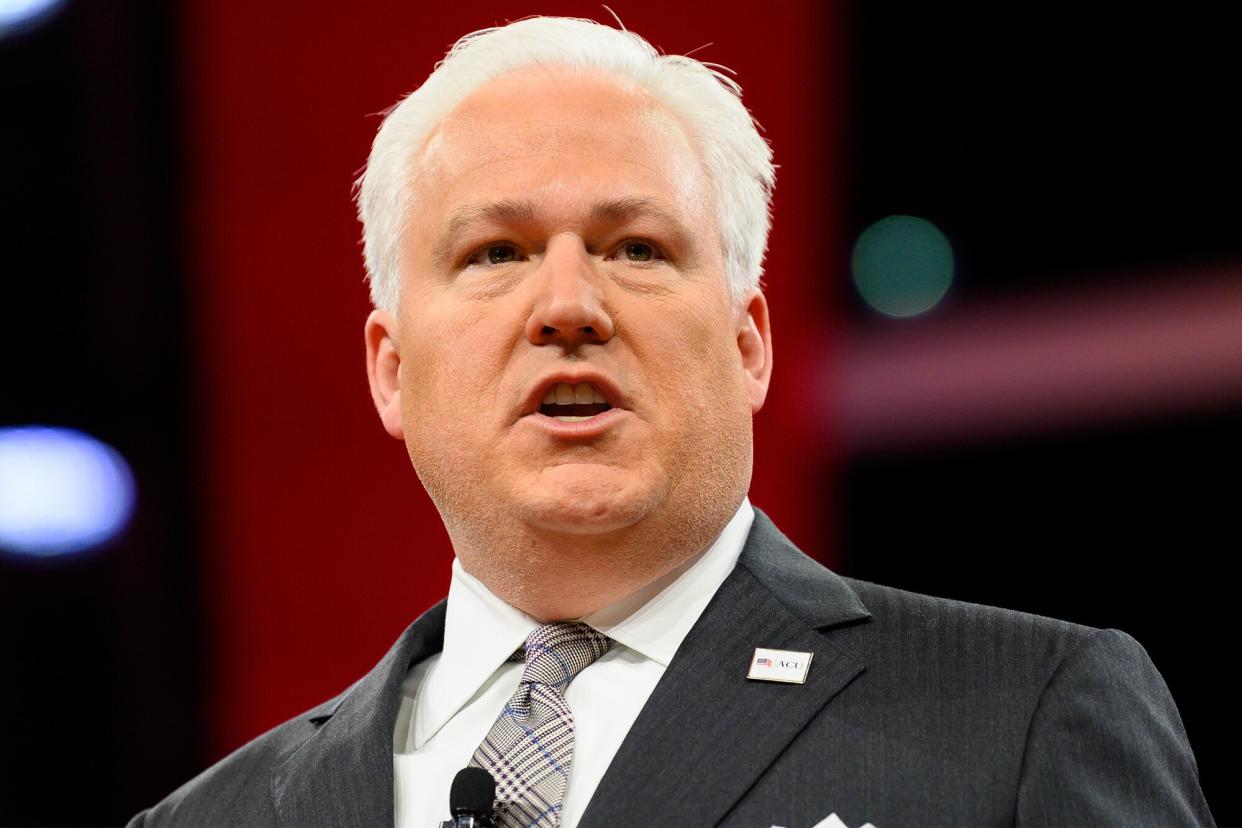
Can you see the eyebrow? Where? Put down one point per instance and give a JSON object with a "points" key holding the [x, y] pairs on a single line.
{"points": [[508, 211], [624, 209]]}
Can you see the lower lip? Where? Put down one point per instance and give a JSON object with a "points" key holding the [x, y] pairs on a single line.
{"points": [[580, 430]]}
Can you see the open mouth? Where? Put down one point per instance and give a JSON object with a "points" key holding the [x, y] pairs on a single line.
{"points": [[573, 403]]}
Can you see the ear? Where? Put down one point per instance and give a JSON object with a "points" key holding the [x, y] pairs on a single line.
{"points": [[754, 343], [384, 370]]}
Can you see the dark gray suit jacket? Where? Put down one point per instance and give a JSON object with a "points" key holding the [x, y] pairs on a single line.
{"points": [[916, 711]]}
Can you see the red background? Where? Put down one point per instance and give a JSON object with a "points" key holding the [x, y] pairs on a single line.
{"points": [[320, 544]]}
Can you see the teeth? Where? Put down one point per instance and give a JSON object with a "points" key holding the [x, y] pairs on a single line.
{"points": [[568, 419], [584, 393]]}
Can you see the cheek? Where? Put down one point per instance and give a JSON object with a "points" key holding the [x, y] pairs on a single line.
{"points": [[451, 367], [697, 371], [450, 375], [707, 343]]}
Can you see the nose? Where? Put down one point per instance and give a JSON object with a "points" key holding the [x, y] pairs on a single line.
{"points": [[568, 309]]}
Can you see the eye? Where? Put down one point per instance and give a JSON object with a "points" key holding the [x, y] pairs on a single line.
{"points": [[639, 252], [636, 250], [495, 254], [501, 253]]}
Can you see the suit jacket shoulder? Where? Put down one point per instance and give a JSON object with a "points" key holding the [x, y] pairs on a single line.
{"points": [[329, 766], [990, 647], [237, 789], [1074, 725]]}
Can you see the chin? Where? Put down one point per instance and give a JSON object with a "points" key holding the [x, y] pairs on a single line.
{"points": [[583, 500]]}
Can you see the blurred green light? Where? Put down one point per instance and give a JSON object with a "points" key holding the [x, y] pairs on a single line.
{"points": [[903, 265]]}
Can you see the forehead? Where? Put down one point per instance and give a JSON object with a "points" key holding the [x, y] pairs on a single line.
{"points": [[567, 139]]}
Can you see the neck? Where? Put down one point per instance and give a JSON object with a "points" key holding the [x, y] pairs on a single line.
{"points": [[557, 576]]}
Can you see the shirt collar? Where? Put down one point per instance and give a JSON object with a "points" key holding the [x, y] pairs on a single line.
{"points": [[480, 633], [654, 620], [481, 630]]}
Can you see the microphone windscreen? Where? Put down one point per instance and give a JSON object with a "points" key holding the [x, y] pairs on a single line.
{"points": [[473, 791]]}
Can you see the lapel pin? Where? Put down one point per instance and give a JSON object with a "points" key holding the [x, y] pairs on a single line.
{"points": [[785, 666]]}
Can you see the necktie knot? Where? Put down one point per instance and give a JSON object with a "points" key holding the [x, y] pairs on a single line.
{"points": [[556, 653]]}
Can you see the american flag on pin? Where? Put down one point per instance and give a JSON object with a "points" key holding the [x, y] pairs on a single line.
{"points": [[763, 662]]}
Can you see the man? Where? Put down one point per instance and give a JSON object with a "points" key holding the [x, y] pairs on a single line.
{"points": [[564, 234]]}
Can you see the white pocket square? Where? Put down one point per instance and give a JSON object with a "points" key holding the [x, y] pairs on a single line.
{"points": [[833, 821]]}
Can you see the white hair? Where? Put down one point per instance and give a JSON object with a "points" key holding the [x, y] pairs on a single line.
{"points": [[737, 161]]}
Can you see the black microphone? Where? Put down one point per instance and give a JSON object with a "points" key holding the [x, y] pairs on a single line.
{"points": [[472, 799]]}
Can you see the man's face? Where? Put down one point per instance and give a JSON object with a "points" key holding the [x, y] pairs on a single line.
{"points": [[566, 353]]}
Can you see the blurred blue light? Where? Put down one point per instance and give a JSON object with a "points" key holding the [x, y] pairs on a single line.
{"points": [[20, 14], [61, 491], [903, 265]]}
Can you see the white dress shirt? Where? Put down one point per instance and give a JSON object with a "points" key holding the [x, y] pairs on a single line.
{"points": [[452, 699]]}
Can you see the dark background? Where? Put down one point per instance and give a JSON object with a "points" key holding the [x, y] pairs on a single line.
{"points": [[1063, 153], [102, 651]]}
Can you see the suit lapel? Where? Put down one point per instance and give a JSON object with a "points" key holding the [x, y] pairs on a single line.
{"points": [[707, 732], [343, 774]]}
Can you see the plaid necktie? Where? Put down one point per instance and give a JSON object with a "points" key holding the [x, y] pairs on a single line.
{"points": [[531, 745]]}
